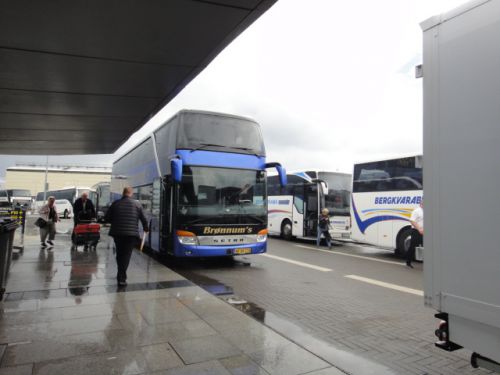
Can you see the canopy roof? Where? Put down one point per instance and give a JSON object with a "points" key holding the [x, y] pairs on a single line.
{"points": [[79, 77]]}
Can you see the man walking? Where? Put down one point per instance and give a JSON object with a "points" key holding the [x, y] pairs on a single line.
{"points": [[124, 215], [83, 206], [417, 232]]}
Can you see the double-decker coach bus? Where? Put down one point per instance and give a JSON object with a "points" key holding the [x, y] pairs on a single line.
{"points": [[294, 209], [384, 194], [201, 179]]}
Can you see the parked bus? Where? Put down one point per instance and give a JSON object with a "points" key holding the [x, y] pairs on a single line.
{"points": [[384, 194], [103, 199], [71, 193], [19, 197], [201, 178], [294, 209]]}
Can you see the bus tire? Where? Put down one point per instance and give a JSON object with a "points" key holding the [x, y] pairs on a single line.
{"points": [[65, 214], [403, 242], [286, 230]]}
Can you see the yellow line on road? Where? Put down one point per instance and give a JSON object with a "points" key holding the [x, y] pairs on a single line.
{"points": [[297, 263], [352, 255], [386, 285]]}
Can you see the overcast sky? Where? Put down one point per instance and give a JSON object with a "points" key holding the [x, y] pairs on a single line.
{"points": [[331, 83]]}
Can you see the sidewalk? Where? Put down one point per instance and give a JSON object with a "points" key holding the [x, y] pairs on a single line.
{"points": [[63, 314]]}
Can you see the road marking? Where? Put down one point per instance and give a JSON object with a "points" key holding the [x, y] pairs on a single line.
{"points": [[386, 285], [352, 255], [297, 263]]}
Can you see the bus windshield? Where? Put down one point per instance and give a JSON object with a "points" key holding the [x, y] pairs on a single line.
{"points": [[222, 196], [338, 199]]}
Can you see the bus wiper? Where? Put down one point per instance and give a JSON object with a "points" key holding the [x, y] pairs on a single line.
{"points": [[203, 145], [244, 149]]}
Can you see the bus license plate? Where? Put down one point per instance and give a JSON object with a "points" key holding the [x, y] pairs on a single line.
{"points": [[245, 250]]}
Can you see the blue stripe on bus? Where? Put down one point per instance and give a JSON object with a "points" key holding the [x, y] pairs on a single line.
{"points": [[221, 159], [363, 224]]}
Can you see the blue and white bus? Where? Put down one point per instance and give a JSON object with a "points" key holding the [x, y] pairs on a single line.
{"points": [[384, 193], [201, 179], [295, 209]]}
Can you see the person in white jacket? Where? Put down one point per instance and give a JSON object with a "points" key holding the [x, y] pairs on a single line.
{"points": [[48, 212]]}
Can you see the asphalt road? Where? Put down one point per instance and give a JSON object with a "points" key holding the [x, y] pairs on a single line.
{"points": [[360, 301]]}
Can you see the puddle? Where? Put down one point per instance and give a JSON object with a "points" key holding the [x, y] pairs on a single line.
{"points": [[345, 361]]}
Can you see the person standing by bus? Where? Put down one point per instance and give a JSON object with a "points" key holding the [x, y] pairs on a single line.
{"points": [[48, 213], [323, 228], [417, 232], [83, 206], [124, 216]]}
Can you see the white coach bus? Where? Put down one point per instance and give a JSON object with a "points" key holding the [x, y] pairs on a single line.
{"points": [[293, 210], [384, 193]]}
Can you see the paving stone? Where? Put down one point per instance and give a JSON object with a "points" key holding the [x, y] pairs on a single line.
{"points": [[123, 363], [242, 365], [287, 360], [327, 371], [205, 368], [161, 357], [204, 348], [17, 370], [55, 348]]}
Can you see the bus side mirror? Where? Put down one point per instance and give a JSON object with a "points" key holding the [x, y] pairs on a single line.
{"points": [[176, 166], [281, 172], [324, 187], [282, 175]]}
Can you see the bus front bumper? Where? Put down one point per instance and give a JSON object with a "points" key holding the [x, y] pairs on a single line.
{"points": [[218, 251]]}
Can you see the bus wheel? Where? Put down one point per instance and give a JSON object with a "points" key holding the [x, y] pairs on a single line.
{"points": [[286, 230], [66, 214], [403, 242]]}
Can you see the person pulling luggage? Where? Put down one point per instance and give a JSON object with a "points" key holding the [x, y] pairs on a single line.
{"points": [[83, 209]]}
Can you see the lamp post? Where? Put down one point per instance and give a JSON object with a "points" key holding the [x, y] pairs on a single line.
{"points": [[45, 183]]}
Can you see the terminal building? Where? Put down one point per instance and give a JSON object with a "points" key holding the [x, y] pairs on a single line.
{"points": [[32, 177]]}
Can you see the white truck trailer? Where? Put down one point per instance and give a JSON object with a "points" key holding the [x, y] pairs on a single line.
{"points": [[461, 71]]}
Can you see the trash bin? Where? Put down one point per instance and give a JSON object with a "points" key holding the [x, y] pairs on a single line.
{"points": [[7, 229]]}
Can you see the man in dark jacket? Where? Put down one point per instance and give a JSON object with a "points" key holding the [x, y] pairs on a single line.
{"points": [[83, 206], [124, 215]]}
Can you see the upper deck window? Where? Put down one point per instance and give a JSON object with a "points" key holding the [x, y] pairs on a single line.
{"points": [[218, 133]]}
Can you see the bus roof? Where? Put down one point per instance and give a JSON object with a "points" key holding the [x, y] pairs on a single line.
{"points": [[403, 156], [178, 114]]}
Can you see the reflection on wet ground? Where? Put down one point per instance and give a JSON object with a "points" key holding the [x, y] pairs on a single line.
{"points": [[343, 360], [65, 315]]}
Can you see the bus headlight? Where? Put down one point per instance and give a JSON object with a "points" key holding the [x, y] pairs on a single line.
{"points": [[187, 238], [262, 235]]}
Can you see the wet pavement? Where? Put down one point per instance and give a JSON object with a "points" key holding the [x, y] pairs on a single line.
{"points": [[63, 314], [356, 306]]}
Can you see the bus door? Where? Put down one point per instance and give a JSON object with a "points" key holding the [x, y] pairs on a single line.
{"points": [[154, 230], [311, 210], [166, 219], [298, 211]]}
